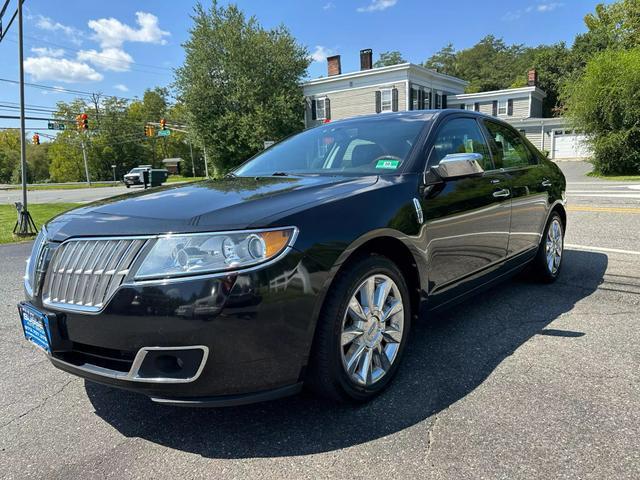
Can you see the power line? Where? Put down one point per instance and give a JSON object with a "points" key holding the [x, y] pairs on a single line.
{"points": [[68, 47], [62, 90]]}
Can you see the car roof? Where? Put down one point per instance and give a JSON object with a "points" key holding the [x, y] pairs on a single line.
{"points": [[426, 115]]}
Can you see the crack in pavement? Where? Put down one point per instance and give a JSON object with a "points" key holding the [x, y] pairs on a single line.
{"points": [[39, 405]]}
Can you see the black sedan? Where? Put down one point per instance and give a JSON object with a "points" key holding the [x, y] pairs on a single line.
{"points": [[305, 266]]}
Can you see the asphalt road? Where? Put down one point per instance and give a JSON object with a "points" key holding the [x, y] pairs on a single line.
{"points": [[526, 381]]}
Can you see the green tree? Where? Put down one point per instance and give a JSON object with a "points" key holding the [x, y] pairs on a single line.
{"points": [[444, 61], [9, 154], [240, 84], [604, 102], [389, 58]]}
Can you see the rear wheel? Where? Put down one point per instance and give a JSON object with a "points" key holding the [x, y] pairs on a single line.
{"points": [[362, 331], [548, 261]]}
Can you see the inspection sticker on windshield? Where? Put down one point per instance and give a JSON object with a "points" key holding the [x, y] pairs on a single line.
{"points": [[388, 164]]}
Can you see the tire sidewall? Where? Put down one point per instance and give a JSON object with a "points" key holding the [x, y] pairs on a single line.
{"points": [[549, 275], [371, 266]]}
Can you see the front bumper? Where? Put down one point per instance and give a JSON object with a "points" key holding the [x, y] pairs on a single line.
{"points": [[256, 327]]}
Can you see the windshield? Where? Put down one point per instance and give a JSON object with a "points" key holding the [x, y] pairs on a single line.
{"points": [[137, 170], [368, 146]]}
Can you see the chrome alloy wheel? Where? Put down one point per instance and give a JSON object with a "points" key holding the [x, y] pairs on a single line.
{"points": [[372, 330], [553, 246]]}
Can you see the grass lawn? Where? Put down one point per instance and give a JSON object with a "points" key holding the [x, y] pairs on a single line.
{"points": [[73, 186], [616, 178], [40, 213], [180, 178]]}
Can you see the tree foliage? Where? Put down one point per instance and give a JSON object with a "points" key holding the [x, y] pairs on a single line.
{"points": [[240, 84], [389, 58], [605, 103]]}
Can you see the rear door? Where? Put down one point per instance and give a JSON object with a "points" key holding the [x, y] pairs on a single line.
{"points": [[527, 182], [466, 219]]}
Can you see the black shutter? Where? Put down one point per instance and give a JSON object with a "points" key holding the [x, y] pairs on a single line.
{"points": [[327, 109], [420, 99], [462, 106], [495, 108], [411, 93], [314, 115], [378, 101], [476, 107], [394, 100], [444, 101], [510, 107]]}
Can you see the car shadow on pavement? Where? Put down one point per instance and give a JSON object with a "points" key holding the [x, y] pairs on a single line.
{"points": [[450, 354]]}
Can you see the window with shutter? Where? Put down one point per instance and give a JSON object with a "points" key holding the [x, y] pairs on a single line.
{"points": [[427, 99], [386, 100], [510, 107], [320, 109], [494, 111], [378, 101]]}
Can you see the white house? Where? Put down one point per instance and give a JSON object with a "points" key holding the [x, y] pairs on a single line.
{"points": [[412, 87]]}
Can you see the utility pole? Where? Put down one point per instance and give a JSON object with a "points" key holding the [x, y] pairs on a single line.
{"points": [[206, 167], [84, 156], [193, 165], [24, 225]]}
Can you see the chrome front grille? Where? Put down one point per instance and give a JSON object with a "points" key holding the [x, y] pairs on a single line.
{"points": [[84, 274]]}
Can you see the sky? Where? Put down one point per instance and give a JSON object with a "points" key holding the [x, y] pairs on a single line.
{"points": [[122, 47]]}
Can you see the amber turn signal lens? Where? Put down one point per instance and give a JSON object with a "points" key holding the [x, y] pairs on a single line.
{"points": [[276, 241]]}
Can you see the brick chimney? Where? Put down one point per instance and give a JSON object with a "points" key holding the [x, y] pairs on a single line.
{"points": [[333, 65], [366, 59], [532, 78]]}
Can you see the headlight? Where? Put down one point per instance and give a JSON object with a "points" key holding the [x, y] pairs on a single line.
{"points": [[199, 253]]}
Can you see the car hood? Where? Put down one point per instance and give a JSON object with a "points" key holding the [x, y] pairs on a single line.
{"points": [[213, 205]]}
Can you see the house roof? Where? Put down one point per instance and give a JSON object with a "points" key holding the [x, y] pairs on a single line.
{"points": [[379, 70], [499, 93]]}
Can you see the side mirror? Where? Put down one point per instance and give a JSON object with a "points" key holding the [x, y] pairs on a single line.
{"points": [[459, 165]]}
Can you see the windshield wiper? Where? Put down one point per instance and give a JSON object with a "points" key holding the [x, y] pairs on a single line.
{"points": [[279, 174]]}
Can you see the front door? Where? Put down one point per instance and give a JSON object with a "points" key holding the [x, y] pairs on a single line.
{"points": [[467, 219]]}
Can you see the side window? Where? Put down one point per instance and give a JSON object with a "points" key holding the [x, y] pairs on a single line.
{"points": [[460, 135], [509, 149]]}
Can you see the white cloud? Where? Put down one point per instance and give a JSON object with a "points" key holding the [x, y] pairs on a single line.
{"points": [[56, 90], [48, 52], [112, 33], [113, 59], [329, 6], [46, 23], [321, 53], [535, 8], [60, 69], [121, 87], [377, 6]]}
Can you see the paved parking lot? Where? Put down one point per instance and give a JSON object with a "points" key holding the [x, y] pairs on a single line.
{"points": [[527, 381]]}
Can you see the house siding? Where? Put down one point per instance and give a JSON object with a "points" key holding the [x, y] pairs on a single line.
{"points": [[521, 108], [356, 102], [536, 107]]}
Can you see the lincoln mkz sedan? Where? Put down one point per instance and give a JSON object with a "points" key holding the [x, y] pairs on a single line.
{"points": [[306, 266]]}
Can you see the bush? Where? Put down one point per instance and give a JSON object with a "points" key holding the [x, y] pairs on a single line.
{"points": [[605, 103]]}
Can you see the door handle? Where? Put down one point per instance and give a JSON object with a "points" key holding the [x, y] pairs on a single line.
{"points": [[546, 183], [502, 193], [494, 181]]}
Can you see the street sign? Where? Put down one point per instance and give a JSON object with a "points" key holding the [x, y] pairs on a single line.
{"points": [[56, 126], [164, 133], [268, 143]]}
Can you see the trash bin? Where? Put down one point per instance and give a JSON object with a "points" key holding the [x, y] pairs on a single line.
{"points": [[158, 176]]}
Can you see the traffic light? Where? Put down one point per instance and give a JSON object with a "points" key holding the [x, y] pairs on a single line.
{"points": [[149, 131], [163, 124], [79, 122], [85, 121], [36, 139]]}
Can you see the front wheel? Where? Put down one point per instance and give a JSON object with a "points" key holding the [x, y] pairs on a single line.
{"points": [[548, 262], [362, 331]]}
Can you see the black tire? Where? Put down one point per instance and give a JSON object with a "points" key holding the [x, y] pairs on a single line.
{"points": [[326, 375], [540, 269]]}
